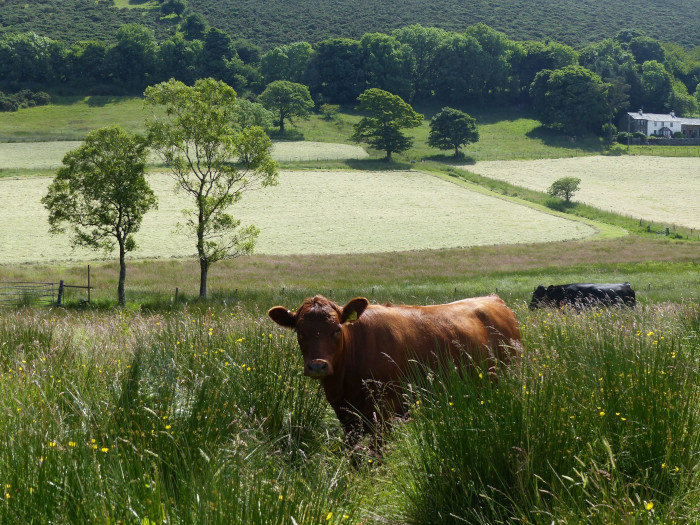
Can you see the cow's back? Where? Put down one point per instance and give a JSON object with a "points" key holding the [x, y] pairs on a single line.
{"points": [[385, 337]]}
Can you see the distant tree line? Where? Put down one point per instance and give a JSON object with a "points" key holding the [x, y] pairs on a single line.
{"points": [[589, 87]]}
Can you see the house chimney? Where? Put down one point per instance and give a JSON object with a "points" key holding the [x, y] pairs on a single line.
{"points": [[641, 111], [673, 114]]}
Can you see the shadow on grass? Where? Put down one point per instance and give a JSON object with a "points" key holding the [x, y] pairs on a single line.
{"points": [[378, 165], [452, 160], [553, 138], [288, 135]]}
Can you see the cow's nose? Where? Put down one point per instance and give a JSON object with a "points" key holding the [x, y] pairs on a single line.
{"points": [[317, 368]]}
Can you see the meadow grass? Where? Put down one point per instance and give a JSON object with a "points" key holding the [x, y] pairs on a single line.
{"points": [[600, 425], [203, 415]]}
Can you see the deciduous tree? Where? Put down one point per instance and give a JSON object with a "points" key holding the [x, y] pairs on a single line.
{"points": [[452, 128], [564, 188], [572, 99], [287, 99], [212, 161], [101, 194], [386, 115]]}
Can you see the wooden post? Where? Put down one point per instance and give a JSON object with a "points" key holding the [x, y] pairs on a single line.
{"points": [[88, 284], [176, 293], [59, 301]]}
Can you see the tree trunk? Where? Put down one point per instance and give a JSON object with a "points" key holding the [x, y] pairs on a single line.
{"points": [[282, 117], [388, 155], [121, 294], [203, 270]]}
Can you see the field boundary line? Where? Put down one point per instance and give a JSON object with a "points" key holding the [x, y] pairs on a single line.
{"points": [[603, 231]]}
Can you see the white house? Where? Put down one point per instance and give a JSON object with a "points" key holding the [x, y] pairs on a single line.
{"points": [[663, 125]]}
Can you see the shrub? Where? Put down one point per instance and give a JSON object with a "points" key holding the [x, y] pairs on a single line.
{"points": [[622, 137], [41, 98], [679, 135]]}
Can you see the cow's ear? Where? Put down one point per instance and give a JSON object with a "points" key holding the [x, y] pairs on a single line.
{"points": [[353, 310], [282, 316]]}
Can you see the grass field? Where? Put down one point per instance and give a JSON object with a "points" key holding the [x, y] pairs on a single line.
{"points": [[320, 212], [42, 156], [658, 189]]}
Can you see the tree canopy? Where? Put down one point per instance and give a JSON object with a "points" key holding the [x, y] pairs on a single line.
{"points": [[386, 115], [452, 128], [564, 188], [287, 100], [212, 160], [572, 99]]}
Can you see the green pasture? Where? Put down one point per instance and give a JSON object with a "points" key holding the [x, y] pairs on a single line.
{"points": [[507, 134]]}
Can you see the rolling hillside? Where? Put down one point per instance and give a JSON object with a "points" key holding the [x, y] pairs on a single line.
{"points": [[273, 22]]}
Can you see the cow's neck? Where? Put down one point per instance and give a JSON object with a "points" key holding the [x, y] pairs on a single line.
{"points": [[336, 387]]}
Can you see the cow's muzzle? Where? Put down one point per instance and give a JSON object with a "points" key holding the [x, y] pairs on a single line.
{"points": [[317, 368]]}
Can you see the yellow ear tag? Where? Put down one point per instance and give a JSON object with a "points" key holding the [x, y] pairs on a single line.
{"points": [[352, 317]]}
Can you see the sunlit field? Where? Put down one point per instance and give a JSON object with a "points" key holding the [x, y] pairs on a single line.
{"points": [[204, 416], [321, 212], [659, 189]]}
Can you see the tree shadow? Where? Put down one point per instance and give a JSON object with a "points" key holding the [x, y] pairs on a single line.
{"points": [[378, 165], [452, 160], [288, 135], [558, 139], [99, 101]]}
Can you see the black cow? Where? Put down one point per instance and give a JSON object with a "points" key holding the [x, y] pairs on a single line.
{"points": [[580, 295]]}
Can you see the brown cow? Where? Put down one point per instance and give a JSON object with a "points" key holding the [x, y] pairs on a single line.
{"points": [[358, 349]]}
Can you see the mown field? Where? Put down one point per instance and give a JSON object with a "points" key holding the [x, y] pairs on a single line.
{"points": [[655, 189], [321, 212]]}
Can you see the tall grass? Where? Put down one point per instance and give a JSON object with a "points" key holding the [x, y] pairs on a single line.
{"points": [[599, 425], [201, 414], [190, 419]]}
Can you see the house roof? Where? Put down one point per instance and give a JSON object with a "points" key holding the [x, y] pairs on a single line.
{"points": [[663, 117], [654, 117]]}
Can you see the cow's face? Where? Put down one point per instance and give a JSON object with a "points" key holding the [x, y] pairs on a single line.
{"points": [[319, 325]]}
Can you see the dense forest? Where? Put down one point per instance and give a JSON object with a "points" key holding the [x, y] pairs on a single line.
{"points": [[272, 23]]}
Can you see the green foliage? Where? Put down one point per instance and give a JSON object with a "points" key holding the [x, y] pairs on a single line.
{"points": [[657, 84], [387, 114], [199, 143], [564, 188], [286, 62], [287, 100], [452, 128], [277, 22], [102, 194], [573, 99], [24, 99]]}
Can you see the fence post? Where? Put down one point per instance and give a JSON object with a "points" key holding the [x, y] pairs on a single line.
{"points": [[59, 301], [88, 284]]}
